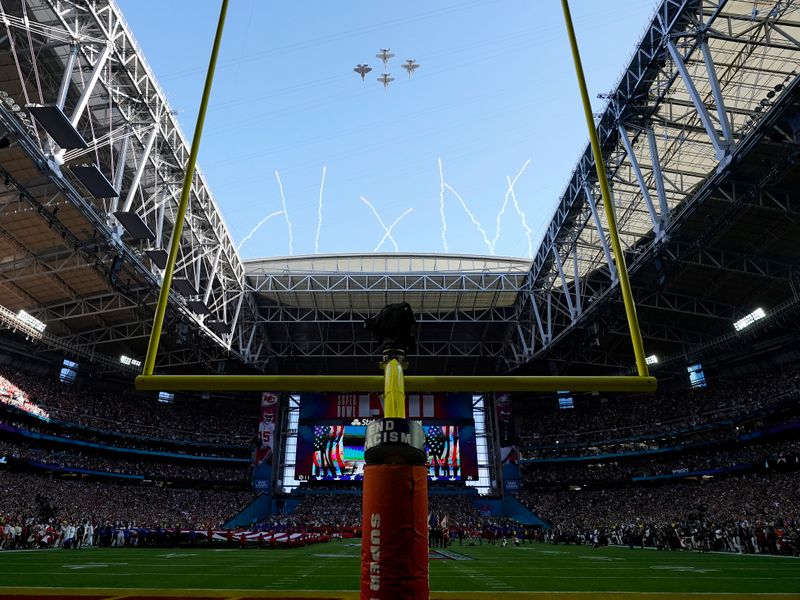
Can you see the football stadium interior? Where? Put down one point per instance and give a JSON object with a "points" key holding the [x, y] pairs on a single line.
{"points": [[109, 491]]}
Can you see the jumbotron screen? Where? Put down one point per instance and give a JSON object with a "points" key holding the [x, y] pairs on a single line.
{"points": [[331, 429]]}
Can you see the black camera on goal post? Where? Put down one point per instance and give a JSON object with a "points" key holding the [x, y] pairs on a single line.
{"points": [[394, 327], [394, 440]]}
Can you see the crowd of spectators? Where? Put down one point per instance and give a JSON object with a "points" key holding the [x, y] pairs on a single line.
{"points": [[107, 438], [30, 501], [741, 456], [150, 470], [748, 513], [342, 511], [231, 421], [334, 512], [595, 419]]}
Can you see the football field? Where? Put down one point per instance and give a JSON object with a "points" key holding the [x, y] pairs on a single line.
{"points": [[331, 571]]}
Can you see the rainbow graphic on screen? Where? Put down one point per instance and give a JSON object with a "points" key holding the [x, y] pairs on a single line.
{"points": [[338, 452]]}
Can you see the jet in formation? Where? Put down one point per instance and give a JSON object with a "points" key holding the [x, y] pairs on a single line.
{"points": [[410, 65], [385, 54], [362, 70], [386, 79]]}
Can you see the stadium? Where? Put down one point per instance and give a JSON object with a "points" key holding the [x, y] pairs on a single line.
{"points": [[113, 487]]}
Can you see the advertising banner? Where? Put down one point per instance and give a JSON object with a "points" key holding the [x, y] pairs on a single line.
{"points": [[319, 408], [266, 428], [509, 458]]}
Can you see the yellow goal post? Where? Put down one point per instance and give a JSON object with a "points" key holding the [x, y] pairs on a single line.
{"points": [[393, 383]]}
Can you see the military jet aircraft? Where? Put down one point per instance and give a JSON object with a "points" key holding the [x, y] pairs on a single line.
{"points": [[362, 70], [410, 65], [386, 79], [385, 54]]}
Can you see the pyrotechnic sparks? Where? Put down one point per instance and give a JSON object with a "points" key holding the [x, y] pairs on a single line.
{"points": [[441, 206], [528, 230], [285, 214], [319, 210], [510, 193], [388, 232], [471, 217], [257, 227]]}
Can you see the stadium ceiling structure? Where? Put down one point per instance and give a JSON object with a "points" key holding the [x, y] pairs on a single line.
{"points": [[701, 138]]}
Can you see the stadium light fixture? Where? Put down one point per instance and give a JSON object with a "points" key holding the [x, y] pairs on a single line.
{"points": [[748, 320], [29, 320], [130, 362], [651, 360]]}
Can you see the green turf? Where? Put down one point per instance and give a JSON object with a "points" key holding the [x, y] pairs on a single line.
{"points": [[334, 566]]}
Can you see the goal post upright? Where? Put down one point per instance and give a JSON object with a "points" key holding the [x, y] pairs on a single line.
{"points": [[188, 177], [608, 205]]}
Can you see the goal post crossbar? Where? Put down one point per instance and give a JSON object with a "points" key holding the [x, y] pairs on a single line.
{"points": [[413, 383]]}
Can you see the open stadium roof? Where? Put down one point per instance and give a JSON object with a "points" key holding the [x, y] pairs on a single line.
{"points": [[701, 142]]}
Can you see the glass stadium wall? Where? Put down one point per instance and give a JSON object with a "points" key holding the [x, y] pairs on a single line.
{"points": [[484, 443], [285, 480]]}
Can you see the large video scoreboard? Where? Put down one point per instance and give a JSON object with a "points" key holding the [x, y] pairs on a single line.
{"points": [[331, 428]]}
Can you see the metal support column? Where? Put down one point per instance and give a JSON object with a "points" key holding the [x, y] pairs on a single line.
{"points": [[67, 77], [637, 170], [214, 267], [83, 101], [235, 319], [658, 176], [577, 280], [137, 177], [564, 286], [722, 113], [162, 207], [120, 171], [535, 308], [600, 232], [250, 340], [720, 147], [521, 334]]}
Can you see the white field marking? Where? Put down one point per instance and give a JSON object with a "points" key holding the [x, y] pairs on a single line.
{"points": [[441, 206], [285, 213], [319, 209], [712, 552], [256, 228], [75, 567], [37, 550], [603, 558], [175, 555], [682, 569]]}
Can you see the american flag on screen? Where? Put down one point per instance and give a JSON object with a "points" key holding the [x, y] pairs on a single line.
{"points": [[328, 458], [443, 450]]}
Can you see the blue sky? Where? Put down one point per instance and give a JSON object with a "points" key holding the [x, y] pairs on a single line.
{"points": [[496, 88]]}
